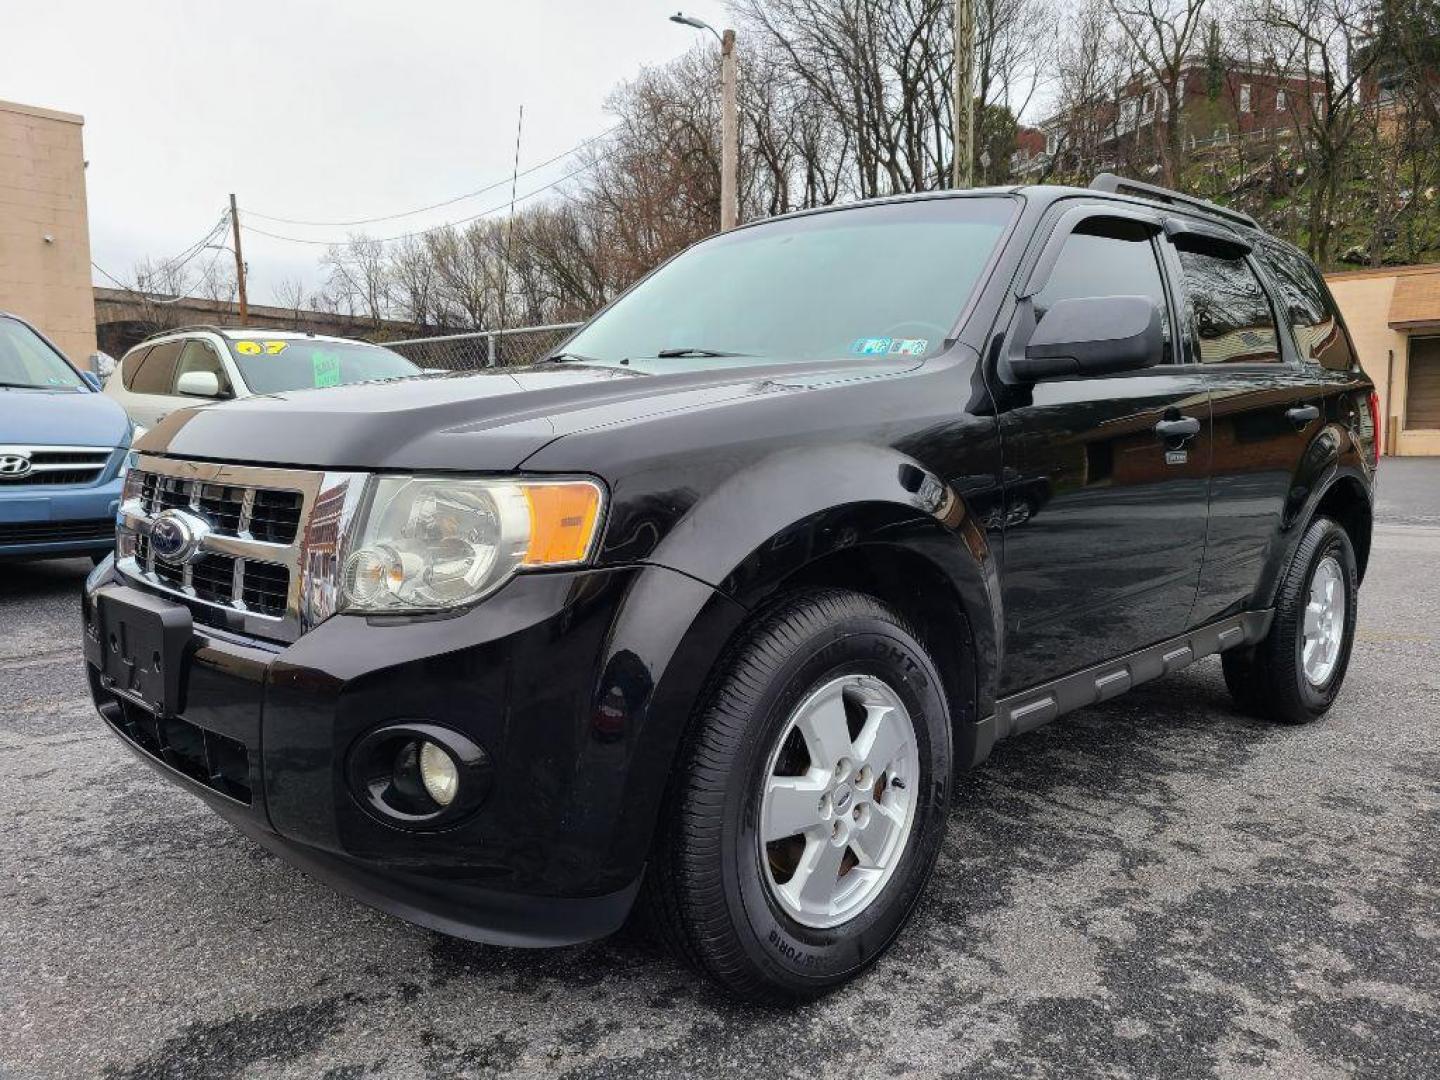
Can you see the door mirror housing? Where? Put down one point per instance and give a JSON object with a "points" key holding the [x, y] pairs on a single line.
{"points": [[92, 380], [198, 384], [1093, 335]]}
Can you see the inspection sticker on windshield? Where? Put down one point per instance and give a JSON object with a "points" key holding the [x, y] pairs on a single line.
{"points": [[327, 369], [884, 346], [871, 346]]}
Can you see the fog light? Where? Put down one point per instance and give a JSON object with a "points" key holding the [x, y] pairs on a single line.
{"points": [[438, 773]]}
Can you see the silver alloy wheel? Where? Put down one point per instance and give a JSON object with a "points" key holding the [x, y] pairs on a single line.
{"points": [[1323, 631], [837, 810]]}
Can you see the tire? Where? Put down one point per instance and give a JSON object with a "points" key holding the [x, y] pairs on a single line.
{"points": [[714, 890], [1270, 679]]}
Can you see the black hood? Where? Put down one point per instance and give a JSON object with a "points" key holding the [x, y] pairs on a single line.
{"points": [[488, 421]]}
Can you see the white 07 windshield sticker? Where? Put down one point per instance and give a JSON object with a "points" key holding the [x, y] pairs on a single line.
{"points": [[884, 346]]}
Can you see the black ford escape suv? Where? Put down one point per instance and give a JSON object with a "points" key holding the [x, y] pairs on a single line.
{"points": [[705, 611]]}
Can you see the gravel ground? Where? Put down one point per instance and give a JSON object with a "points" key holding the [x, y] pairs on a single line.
{"points": [[1156, 886]]}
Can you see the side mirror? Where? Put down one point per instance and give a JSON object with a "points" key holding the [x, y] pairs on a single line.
{"points": [[198, 384], [92, 380], [1093, 335]]}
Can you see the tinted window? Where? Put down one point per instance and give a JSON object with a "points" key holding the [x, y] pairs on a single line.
{"points": [[157, 373], [871, 281], [200, 356], [1227, 311], [274, 365], [130, 365], [1107, 257], [26, 361], [1310, 309]]}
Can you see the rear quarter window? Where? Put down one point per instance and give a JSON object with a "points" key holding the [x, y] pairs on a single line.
{"points": [[130, 365], [1309, 308]]}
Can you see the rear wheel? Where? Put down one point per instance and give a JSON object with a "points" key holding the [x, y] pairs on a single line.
{"points": [[813, 802], [1295, 673]]}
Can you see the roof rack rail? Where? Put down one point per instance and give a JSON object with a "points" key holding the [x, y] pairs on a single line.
{"points": [[1121, 185], [184, 330]]}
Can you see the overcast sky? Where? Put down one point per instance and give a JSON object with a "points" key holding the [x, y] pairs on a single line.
{"points": [[319, 110]]}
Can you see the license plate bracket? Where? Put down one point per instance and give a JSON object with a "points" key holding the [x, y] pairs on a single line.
{"points": [[142, 647]]}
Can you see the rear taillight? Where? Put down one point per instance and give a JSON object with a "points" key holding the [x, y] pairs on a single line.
{"points": [[1374, 401]]}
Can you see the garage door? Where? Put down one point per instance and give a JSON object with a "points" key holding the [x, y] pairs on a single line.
{"points": [[1422, 395]]}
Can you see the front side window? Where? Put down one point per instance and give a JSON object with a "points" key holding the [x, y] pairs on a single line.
{"points": [[201, 356], [1227, 311], [1107, 257], [891, 279], [1310, 309], [27, 362], [277, 365]]}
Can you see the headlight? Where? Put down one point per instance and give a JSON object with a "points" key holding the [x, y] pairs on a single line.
{"points": [[430, 543]]}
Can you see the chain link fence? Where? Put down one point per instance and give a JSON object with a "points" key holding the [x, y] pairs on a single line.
{"points": [[484, 348]]}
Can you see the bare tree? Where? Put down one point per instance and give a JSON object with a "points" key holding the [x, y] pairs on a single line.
{"points": [[1163, 35]]}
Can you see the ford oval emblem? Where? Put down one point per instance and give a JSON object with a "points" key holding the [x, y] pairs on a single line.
{"points": [[175, 535]]}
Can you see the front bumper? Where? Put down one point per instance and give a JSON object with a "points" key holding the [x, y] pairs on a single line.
{"points": [[42, 522], [551, 857]]}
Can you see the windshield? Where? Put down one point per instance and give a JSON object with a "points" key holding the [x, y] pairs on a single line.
{"points": [[274, 365], [879, 280], [26, 361]]}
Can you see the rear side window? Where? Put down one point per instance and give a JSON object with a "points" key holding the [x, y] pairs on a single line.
{"points": [[130, 365], [156, 374], [1310, 309], [1227, 310]]}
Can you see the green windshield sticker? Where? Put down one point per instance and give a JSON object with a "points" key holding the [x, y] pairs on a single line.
{"points": [[327, 368]]}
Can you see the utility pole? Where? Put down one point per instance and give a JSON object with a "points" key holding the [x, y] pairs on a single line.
{"points": [[729, 135], [963, 103], [239, 262]]}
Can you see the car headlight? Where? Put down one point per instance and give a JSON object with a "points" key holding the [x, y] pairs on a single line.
{"points": [[430, 543]]}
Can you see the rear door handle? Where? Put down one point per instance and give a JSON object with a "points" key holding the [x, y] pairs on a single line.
{"points": [[1302, 414], [1180, 428]]}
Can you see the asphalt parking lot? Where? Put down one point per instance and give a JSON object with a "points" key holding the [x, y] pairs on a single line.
{"points": [[1157, 886]]}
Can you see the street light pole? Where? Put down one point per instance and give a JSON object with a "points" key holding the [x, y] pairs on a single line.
{"points": [[729, 121], [963, 102]]}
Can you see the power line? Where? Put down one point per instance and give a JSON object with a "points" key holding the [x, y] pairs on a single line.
{"points": [[136, 292], [436, 206], [194, 249], [422, 232]]}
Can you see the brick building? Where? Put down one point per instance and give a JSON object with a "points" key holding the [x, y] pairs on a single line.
{"points": [[1237, 101], [44, 229]]}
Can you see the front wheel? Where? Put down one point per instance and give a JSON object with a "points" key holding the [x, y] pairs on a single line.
{"points": [[1295, 673], [813, 802]]}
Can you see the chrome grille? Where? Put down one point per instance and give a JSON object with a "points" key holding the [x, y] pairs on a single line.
{"points": [[267, 561], [53, 465]]}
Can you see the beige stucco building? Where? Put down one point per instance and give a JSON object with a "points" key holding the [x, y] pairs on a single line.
{"points": [[1394, 316], [44, 229]]}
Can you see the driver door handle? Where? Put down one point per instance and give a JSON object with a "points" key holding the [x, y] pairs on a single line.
{"points": [[1179, 428]]}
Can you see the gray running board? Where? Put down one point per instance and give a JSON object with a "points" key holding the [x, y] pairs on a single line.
{"points": [[1030, 709]]}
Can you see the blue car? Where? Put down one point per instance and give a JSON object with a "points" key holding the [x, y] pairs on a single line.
{"points": [[63, 448]]}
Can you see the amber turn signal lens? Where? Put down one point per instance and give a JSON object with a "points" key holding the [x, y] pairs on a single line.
{"points": [[562, 522]]}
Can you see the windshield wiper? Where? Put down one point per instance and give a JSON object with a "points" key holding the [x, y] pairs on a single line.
{"points": [[571, 357], [671, 354], [26, 386]]}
